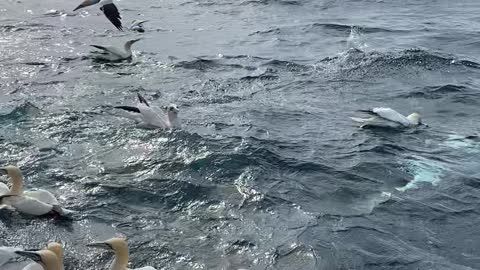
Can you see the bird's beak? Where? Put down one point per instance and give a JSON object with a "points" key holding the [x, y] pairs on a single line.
{"points": [[101, 245], [425, 125], [135, 40], [85, 3], [32, 255]]}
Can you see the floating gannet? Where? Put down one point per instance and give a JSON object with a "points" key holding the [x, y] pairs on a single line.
{"points": [[55, 248], [108, 8], [113, 54], [166, 118], [46, 258], [34, 202], [137, 25], [387, 117], [120, 247]]}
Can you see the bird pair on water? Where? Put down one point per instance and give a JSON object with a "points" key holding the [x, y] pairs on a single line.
{"points": [[51, 258], [40, 202]]}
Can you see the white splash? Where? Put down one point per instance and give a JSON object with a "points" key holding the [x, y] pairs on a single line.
{"points": [[424, 170]]}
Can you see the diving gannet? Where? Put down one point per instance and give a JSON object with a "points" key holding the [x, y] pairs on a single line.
{"points": [[114, 54], [108, 8], [120, 247], [149, 116], [387, 117], [46, 258], [33, 202]]}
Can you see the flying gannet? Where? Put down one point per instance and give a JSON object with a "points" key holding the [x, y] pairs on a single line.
{"points": [[108, 8], [114, 54], [120, 247], [137, 26], [35, 202], [46, 258], [387, 117], [165, 118]]}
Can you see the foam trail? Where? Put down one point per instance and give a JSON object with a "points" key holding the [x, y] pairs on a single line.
{"points": [[424, 170]]}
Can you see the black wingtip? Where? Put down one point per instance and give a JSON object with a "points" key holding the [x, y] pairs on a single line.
{"points": [[128, 108], [142, 99]]}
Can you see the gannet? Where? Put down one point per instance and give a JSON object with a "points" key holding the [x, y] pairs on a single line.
{"points": [[108, 8], [113, 54], [137, 25], [148, 116], [387, 117], [46, 258], [120, 247], [33, 202], [55, 248]]}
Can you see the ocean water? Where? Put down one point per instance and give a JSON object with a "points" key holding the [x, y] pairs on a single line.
{"points": [[267, 172]]}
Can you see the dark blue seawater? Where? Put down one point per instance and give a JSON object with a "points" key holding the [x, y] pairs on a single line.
{"points": [[267, 172]]}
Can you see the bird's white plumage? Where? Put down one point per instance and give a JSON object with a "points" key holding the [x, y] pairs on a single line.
{"points": [[392, 115], [33, 266], [4, 189], [7, 253], [28, 205], [42, 195], [151, 117]]}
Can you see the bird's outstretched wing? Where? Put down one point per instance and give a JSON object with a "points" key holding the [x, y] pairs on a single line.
{"points": [[86, 3], [112, 14], [389, 114]]}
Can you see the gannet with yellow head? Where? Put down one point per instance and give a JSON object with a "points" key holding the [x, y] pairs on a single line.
{"points": [[387, 117], [45, 258], [56, 248], [34, 202], [120, 247]]}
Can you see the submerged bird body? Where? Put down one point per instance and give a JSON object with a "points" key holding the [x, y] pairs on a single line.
{"points": [[387, 117], [148, 116], [108, 8], [35, 202], [120, 247], [114, 54]]}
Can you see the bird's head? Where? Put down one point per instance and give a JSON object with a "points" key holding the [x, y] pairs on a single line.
{"points": [[172, 108], [46, 258], [130, 42], [415, 118], [113, 244], [12, 171]]}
